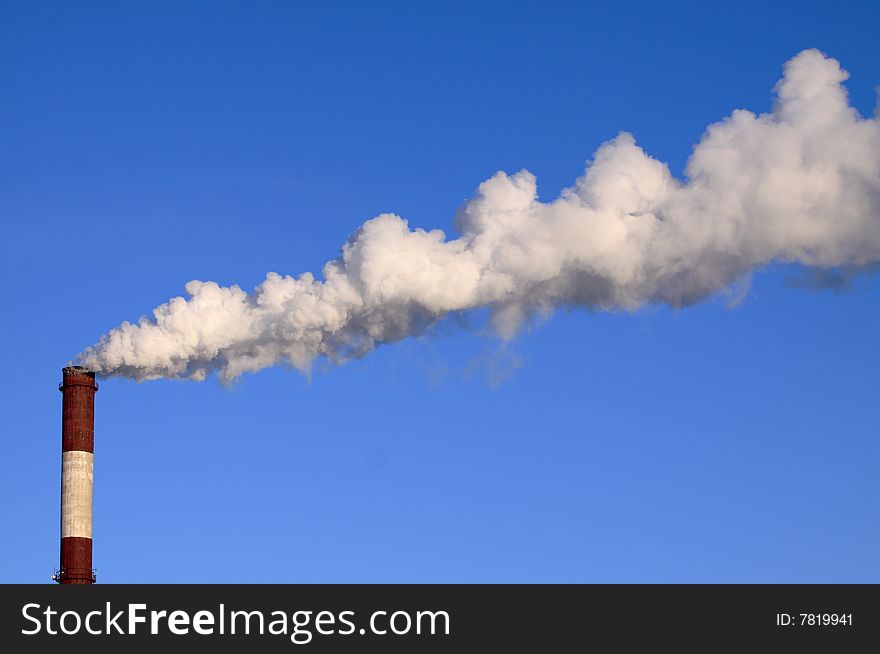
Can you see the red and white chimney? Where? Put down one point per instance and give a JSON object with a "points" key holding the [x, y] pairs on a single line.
{"points": [[78, 387]]}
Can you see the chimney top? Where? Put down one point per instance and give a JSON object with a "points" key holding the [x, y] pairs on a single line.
{"points": [[78, 370], [77, 376]]}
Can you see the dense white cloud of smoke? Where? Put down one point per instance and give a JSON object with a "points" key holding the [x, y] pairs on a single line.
{"points": [[798, 184]]}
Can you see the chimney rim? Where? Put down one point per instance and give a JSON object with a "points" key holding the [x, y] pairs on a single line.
{"points": [[78, 371]]}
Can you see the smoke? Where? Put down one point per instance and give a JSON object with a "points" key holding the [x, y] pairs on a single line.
{"points": [[798, 184]]}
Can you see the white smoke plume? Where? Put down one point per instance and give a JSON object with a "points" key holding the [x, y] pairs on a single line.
{"points": [[798, 184]]}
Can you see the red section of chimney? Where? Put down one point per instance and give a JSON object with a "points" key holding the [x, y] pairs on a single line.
{"points": [[76, 561], [78, 409], [77, 471]]}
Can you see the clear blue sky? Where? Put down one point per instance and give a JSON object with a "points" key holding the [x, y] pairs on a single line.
{"points": [[147, 144]]}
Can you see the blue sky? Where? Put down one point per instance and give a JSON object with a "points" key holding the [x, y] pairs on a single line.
{"points": [[145, 145]]}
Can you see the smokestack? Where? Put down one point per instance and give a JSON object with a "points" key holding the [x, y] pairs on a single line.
{"points": [[78, 387]]}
